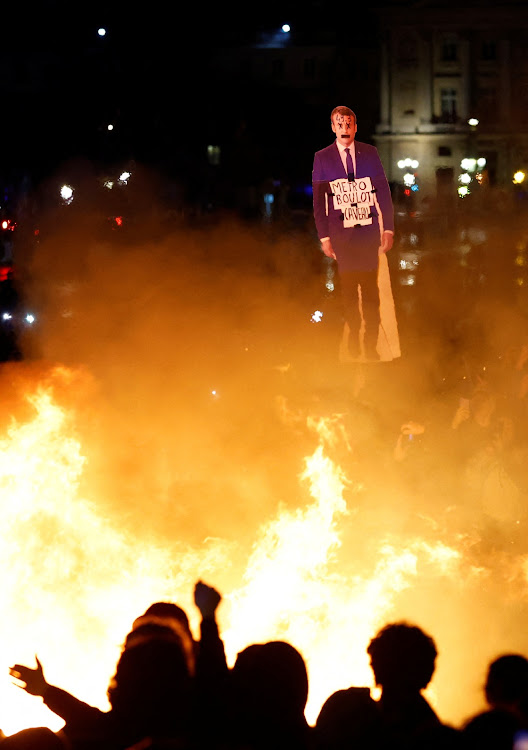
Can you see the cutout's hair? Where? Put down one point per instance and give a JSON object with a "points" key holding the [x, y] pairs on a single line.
{"points": [[345, 111]]}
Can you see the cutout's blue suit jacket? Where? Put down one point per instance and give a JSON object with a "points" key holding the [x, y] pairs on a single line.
{"points": [[356, 247]]}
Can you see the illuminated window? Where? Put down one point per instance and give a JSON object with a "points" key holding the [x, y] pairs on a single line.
{"points": [[213, 155]]}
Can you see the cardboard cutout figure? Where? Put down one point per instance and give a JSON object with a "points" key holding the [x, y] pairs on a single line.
{"points": [[354, 217]]}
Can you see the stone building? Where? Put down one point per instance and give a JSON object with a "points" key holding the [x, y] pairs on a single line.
{"points": [[453, 93]]}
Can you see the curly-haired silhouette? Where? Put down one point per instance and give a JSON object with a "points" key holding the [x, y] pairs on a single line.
{"points": [[403, 660]]}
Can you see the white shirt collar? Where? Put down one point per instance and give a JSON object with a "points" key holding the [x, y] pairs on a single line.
{"points": [[342, 148]]}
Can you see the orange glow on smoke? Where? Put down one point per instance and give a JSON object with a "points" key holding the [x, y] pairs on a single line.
{"points": [[75, 574]]}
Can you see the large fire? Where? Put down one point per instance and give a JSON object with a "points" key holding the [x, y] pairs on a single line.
{"points": [[324, 574]]}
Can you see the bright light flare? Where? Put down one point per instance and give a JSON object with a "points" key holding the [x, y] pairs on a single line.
{"points": [[317, 316], [519, 177], [66, 193], [469, 164], [408, 163]]}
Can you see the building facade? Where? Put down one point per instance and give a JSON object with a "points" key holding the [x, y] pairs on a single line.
{"points": [[453, 99]]}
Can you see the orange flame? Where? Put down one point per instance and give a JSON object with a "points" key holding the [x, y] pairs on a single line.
{"points": [[75, 576]]}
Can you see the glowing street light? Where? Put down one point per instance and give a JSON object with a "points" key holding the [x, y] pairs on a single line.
{"points": [[518, 177], [463, 190], [465, 178], [286, 28], [408, 163], [469, 164], [101, 31], [110, 126], [124, 177], [66, 194], [473, 122]]}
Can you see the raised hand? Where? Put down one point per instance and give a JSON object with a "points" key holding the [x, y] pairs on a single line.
{"points": [[33, 679], [206, 599]]}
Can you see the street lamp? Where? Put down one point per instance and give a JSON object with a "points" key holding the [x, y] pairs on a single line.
{"points": [[409, 176], [66, 193], [518, 177]]}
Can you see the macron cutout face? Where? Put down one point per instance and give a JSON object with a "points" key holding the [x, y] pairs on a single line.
{"points": [[345, 128]]}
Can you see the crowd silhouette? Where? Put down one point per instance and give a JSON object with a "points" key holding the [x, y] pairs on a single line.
{"points": [[172, 692]]}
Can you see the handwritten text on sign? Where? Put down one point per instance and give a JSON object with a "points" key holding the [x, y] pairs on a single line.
{"points": [[354, 199]]}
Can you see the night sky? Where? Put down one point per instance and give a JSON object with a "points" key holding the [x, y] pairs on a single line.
{"points": [[151, 76]]}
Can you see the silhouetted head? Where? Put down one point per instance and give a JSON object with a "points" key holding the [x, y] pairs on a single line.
{"points": [[168, 611], [35, 738], [162, 629], [402, 656], [271, 681], [507, 681], [151, 687]]}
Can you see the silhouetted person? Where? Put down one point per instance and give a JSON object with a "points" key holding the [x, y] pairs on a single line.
{"points": [[348, 719], [150, 696], [269, 690], [162, 621], [506, 692], [403, 659], [34, 738]]}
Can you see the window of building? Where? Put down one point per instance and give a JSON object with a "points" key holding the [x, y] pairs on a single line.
{"points": [[213, 155], [448, 103], [487, 101], [444, 151], [489, 50], [449, 51]]}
